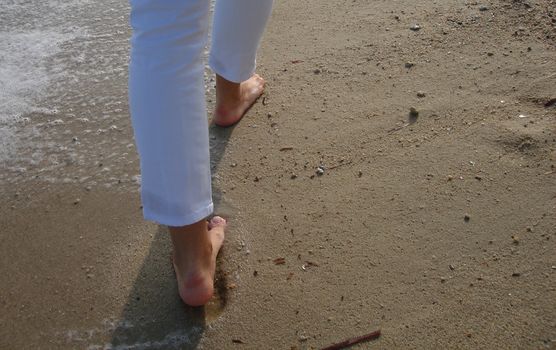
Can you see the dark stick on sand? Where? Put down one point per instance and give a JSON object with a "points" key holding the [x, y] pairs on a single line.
{"points": [[353, 341]]}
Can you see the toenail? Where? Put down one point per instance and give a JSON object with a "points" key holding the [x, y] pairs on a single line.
{"points": [[218, 220]]}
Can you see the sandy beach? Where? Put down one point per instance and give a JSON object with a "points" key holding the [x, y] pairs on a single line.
{"points": [[397, 174]]}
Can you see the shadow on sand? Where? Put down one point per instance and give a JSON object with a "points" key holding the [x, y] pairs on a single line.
{"points": [[154, 316]]}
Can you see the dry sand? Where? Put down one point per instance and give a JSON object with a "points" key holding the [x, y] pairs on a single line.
{"points": [[439, 229]]}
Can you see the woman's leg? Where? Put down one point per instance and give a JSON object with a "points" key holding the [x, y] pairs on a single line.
{"points": [[237, 32], [167, 105], [168, 111]]}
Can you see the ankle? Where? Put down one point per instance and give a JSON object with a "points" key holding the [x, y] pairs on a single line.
{"points": [[227, 91], [190, 237]]}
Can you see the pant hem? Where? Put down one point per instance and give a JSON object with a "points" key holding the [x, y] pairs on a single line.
{"points": [[233, 77], [188, 219]]}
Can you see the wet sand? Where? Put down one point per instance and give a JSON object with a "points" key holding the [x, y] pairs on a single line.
{"points": [[438, 229]]}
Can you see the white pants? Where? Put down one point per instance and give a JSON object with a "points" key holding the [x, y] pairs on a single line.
{"points": [[167, 95]]}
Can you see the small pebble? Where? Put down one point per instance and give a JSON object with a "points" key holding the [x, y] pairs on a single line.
{"points": [[409, 64], [76, 201], [421, 94], [483, 8], [415, 27], [466, 218]]}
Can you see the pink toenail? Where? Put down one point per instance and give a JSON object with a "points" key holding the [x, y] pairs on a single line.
{"points": [[218, 220]]}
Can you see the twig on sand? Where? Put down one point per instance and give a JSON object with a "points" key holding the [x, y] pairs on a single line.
{"points": [[398, 128], [353, 341], [339, 165]]}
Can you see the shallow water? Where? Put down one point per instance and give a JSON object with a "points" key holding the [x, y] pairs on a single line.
{"points": [[63, 99]]}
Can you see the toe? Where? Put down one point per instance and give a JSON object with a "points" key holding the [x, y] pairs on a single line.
{"points": [[217, 221]]}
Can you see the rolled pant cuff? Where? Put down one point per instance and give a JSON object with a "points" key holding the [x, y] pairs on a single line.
{"points": [[233, 76], [184, 220]]}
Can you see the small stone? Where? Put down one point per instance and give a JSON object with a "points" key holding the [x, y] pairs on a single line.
{"points": [[294, 176], [421, 94], [450, 178], [320, 170], [515, 239], [516, 274], [483, 8], [317, 71], [74, 139], [442, 279], [415, 27], [233, 165], [360, 173], [269, 115], [257, 179], [409, 64], [466, 218], [413, 113], [76, 201], [451, 267]]}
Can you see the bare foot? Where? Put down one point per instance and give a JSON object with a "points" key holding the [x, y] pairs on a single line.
{"points": [[234, 99], [194, 257]]}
